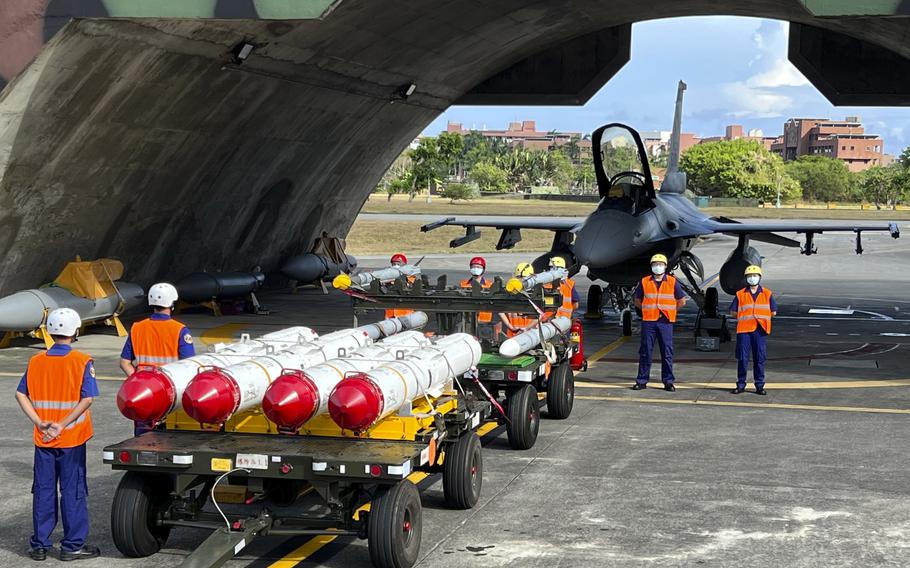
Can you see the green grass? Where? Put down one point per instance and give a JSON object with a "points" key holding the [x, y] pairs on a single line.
{"points": [[385, 237]]}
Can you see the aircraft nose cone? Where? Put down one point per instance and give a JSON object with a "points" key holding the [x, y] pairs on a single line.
{"points": [[290, 400], [147, 395], [355, 404], [606, 239], [211, 397]]}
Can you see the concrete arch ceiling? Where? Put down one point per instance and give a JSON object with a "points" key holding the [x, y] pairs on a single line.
{"points": [[138, 137]]}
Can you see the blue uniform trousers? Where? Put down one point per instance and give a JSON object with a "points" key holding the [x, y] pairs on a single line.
{"points": [[662, 331], [65, 466], [752, 343]]}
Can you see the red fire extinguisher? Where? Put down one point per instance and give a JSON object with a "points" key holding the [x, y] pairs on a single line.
{"points": [[577, 335]]}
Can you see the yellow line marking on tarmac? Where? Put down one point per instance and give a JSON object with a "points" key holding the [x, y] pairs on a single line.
{"points": [[776, 386], [221, 333], [608, 349], [775, 405]]}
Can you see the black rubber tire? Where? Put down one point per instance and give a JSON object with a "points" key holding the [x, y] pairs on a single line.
{"points": [[627, 323], [524, 417], [462, 472], [561, 391], [711, 302], [138, 499], [595, 302], [394, 526]]}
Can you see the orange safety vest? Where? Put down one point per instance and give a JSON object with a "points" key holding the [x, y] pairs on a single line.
{"points": [[518, 320], [156, 342], [395, 312], [482, 317], [753, 311], [657, 300], [54, 387], [565, 289]]}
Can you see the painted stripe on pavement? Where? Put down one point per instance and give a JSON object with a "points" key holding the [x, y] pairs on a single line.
{"points": [[608, 349], [773, 405]]}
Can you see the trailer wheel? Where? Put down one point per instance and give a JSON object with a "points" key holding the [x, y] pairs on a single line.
{"points": [[561, 391], [627, 323], [394, 526], [137, 501], [524, 417], [462, 474]]}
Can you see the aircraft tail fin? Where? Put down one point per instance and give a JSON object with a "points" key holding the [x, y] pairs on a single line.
{"points": [[675, 180]]}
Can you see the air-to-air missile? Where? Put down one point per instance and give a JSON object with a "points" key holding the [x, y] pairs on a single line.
{"points": [[151, 393], [26, 310], [216, 394], [363, 279], [516, 285], [298, 396], [311, 267], [199, 287], [515, 346], [362, 399]]}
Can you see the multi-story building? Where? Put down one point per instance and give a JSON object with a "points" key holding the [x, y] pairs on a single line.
{"points": [[525, 134], [844, 140]]}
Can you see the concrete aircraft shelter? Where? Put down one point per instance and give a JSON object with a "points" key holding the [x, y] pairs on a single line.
{"points": [[130, 128]]}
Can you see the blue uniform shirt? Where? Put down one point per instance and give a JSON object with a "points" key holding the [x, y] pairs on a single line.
{"points": [[184, 348], [678, 293], [89, 385], [734, 305]]}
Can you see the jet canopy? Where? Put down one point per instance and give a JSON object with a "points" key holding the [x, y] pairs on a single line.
{"points": [[621, 166]]}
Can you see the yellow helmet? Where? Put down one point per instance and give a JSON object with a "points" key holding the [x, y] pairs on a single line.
{"points": [[753, 269], [524, 269], [659, 258], [558, 262]]}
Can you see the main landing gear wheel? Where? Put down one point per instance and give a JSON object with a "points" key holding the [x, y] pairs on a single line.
{"points": [[395, 525], [138, 500], [524, 417], [462, 473], [711, 302], [561, 391], [627, 323], [595, 302]]}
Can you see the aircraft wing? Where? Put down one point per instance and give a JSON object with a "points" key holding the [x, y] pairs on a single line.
{"points": [[767, 232], [510, 226]]}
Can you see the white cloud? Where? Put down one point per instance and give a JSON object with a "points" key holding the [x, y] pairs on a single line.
{"points": [[781, 74], [750, 102]]}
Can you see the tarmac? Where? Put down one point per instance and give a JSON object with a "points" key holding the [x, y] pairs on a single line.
{"points": [[814, 474]]}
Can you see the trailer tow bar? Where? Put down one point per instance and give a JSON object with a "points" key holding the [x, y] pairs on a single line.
{"points": [[222, 544]]}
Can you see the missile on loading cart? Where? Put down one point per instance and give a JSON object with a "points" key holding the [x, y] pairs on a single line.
{"points": [[525, 341], [363, 279], [151, 393], [311, 267], [516, 285], [296, 397], [362, 399], [216, 394]]}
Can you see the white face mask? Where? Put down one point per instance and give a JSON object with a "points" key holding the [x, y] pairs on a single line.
{"points": [[753, 279], [658, 268], [476, 270]]}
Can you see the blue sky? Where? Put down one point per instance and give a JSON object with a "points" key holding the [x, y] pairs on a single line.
{"points": [[737, 72]]}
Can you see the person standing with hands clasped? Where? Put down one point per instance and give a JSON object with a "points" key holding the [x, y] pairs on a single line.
{"points": [[659, 296], [56, 391], [753, 306]]}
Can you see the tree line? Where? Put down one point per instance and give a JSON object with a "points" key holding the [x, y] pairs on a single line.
{"points": [[461, 166]]}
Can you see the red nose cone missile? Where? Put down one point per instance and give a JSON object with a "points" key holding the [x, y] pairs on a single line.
{"points": [[146, 396], [355, 403], [290, 400], [211, 397]]}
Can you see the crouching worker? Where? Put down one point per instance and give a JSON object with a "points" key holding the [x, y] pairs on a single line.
{"points": [[55, 393]]}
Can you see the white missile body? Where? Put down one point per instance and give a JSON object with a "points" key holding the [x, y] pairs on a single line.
{"points": [[361, 400], [363, 279], [527, 340], [516, 285]]}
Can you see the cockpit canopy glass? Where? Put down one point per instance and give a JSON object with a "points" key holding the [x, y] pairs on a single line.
{"points": [[619, 152]]}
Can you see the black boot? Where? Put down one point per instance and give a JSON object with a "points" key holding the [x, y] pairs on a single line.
{"points": [[738, 390], [83, 553], [38, 554], [761, 391], [639, 386], [669, 387]]}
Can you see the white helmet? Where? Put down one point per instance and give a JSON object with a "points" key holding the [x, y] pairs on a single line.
{"points": [[163, 295], [63, 321]]}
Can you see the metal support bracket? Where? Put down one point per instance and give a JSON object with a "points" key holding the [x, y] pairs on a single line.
{"points": [[810, 248], [509, 238]]}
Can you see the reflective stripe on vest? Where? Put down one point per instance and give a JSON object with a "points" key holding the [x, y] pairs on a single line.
{"points": [[55, 389], [753, 311], [657, 300], [482, 317], [565, 290], [156, 342]]}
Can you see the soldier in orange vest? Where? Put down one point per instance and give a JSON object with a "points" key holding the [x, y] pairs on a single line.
{"points": [[567, 289], [753, 306], [399, 259], [157, 340], [659, 296], [55, 392], [517, 323], [477, 266]]}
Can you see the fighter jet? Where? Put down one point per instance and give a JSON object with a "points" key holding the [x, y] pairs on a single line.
{"points": [[633, 221]]}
